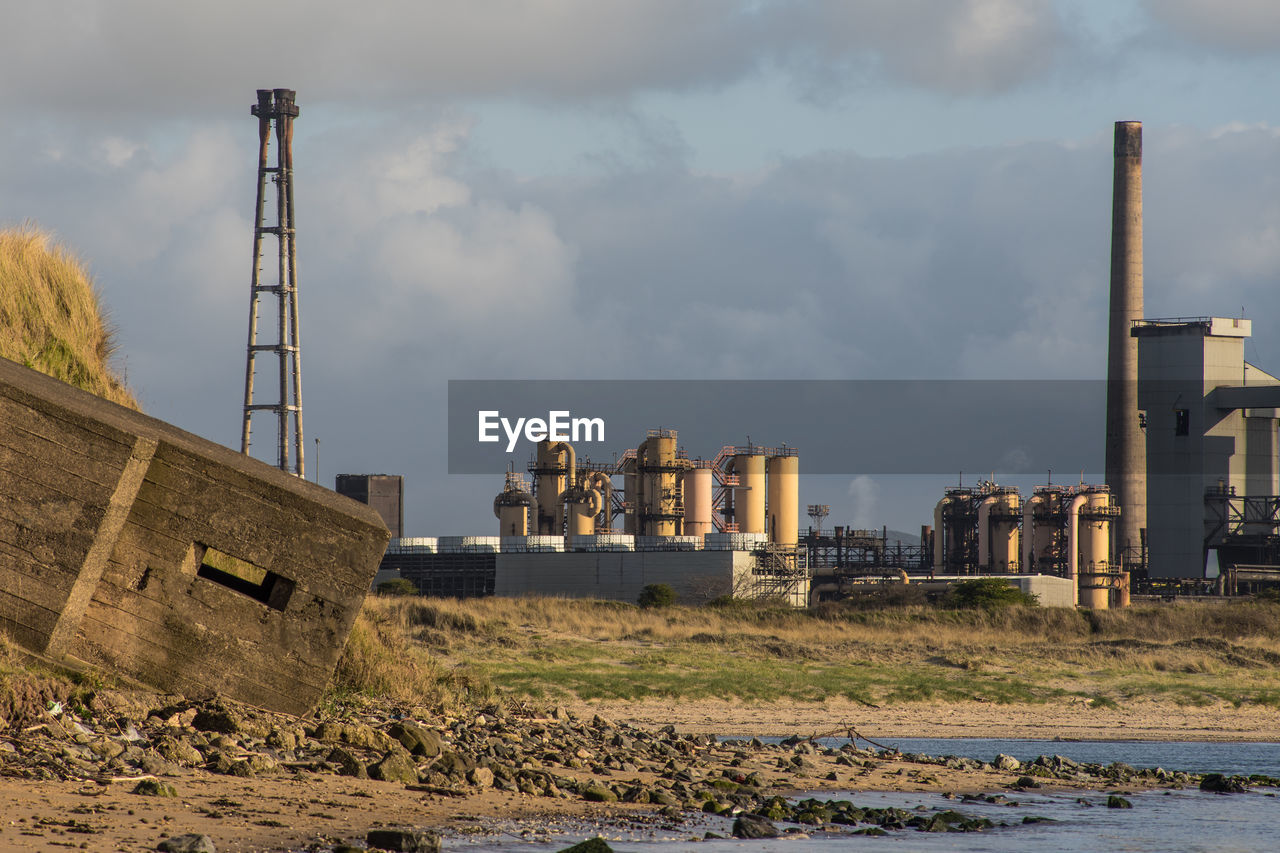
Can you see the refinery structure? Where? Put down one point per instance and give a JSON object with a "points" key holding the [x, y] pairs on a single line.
{"points": [[1191, 492]]}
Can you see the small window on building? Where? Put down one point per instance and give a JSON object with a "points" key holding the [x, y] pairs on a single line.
{"points": [[244, 577], [1181, 421]]}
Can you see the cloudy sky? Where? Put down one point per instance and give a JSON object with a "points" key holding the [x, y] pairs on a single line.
{"points": [[726, 189]]}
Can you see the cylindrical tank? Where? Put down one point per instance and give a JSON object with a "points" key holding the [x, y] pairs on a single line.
{"points": [[1095, 547], [1073, 545], [582, 505], [939, 535], [1046, 530], [1004, 533], [511, 507], [630, 483], [553, 473], [1028, 532], [784, 499], [698, 485], [749, 495], [659, 493], [984, 533]]}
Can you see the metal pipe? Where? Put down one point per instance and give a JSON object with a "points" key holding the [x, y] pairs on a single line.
{"points": [[986, 560], [1073, 546], [1028, 530]]}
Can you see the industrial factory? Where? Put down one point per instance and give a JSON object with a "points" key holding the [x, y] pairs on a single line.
{"points": [[1191, 492], [706, 528]]}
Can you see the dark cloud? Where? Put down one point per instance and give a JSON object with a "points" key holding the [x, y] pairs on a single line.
{"points": [[162, 60]]}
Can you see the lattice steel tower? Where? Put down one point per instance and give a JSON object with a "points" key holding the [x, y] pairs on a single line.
{"points": [[276, 109]]}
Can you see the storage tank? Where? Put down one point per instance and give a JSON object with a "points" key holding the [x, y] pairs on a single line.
{"points": [[582, 506], [552, 474], [511, 507], [784, 498], [1004, 557], [698, 485], [749, 494], [1095, 547], [659, 511]]}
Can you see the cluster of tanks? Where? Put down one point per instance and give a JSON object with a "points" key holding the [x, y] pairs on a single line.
{"points": [[1059, 530], [747, 494]]}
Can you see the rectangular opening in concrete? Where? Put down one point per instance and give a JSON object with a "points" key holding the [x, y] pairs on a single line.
{"points": [[244, 577]]}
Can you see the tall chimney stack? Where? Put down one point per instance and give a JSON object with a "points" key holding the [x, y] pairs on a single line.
{"points": [[1126, 464]]}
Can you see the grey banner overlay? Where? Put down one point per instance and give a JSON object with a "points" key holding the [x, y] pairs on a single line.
{"points": [[839, 426]]}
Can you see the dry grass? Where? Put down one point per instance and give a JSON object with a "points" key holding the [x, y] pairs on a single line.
{"points": [[539, 648], [50, 316]]}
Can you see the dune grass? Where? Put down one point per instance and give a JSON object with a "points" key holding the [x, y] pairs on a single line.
{"points": [[50, 316], [554, 649]]}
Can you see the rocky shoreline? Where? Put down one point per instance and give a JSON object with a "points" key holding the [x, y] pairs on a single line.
{"points": [[163, 761]]}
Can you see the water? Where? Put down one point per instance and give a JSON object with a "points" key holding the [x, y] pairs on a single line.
{"points": [[1183, 820]]}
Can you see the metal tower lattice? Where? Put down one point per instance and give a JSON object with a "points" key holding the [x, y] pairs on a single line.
{"points": [[276, 109]]}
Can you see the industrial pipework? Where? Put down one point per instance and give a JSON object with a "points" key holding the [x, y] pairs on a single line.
{"points": [[512, 505]]}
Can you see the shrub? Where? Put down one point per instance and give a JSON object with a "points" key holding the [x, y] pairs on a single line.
{"points": [[989, 593], [656, 595], [399, 586]]}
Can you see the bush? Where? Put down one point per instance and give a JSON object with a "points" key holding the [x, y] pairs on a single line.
{"points": [[989, 593], [399, 586], [656, 595]]}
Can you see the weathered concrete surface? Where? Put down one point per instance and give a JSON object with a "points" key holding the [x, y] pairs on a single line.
{"points": [[148, 551]]}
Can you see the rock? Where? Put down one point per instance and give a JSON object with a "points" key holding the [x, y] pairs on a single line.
{"points": [[591, 845], [216, 719], [599, 794], [1217, 783], [754, 826], [190, 843], [1006, 762], [1114, 802], [155, 788], [481, 777], [348, 764], [403, 840], [1026, 782], [395, 766], [415, 738]]}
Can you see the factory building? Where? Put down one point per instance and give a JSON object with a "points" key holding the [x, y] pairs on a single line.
{"points": [[706, 528], [383, 492], [1210, 420]]}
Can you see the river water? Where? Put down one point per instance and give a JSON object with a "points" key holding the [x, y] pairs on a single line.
{"points": [[1179, 820]]}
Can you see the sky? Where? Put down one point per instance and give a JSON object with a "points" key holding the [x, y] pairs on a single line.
{"points": [[641, 189]]}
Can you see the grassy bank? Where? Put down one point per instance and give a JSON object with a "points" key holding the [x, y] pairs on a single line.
{"points": [[552, 650], [50, 316]]}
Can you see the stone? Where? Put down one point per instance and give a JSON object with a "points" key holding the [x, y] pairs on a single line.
{"points": [[179, 751], [403, 840], [155, 788], [1217, 783], [415, 738], [481, 777], [216, 719], [754, 826], [190, 843], [395, 767], [1006, 763], [591, 845], [1114, 802], [348, 764], [599, 794]]}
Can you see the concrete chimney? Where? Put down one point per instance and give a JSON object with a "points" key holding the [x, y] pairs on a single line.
{"points": [[1126, 465]]}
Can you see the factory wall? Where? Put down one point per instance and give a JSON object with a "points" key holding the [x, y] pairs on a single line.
{"points": [[695, 576]]}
